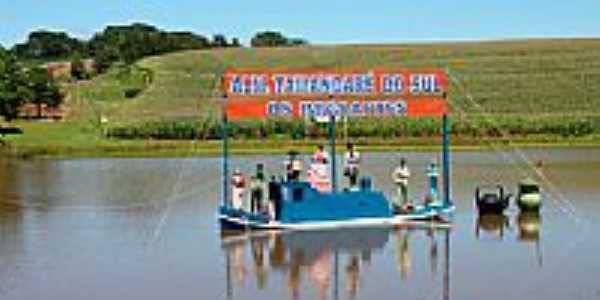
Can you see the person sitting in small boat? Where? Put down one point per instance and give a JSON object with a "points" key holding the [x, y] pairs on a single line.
{"points": [[351, 165], [400, 177], [257, 190], [318, 174], [433, 175], [293, 166], [238, 182]]}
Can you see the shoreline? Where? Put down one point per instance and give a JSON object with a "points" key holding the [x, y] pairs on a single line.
{"points": [[107, 148]]}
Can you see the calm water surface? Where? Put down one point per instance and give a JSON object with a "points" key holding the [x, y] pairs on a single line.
{"points": [[145, 229]]}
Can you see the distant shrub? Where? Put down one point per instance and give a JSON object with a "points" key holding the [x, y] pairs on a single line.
{"points": [[209, 128], [131, 92]]}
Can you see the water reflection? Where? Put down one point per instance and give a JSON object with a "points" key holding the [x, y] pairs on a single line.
{"points": [[491, 225], [12, 243], [12, 248], [321, 258], [530, 224]]}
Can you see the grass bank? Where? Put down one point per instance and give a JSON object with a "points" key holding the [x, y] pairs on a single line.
{"points": [[61, 140], [476, 126]]}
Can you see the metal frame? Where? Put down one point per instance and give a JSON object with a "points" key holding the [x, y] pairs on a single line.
{"points": [[226, 201]]}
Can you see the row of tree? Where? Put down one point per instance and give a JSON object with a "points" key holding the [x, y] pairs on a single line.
{"points": [[20, 85], [131, 42]]}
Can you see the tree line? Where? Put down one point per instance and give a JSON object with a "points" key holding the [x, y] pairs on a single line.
{"points": [[23, 80], [20, 85], [130, 43], [126, 44]]}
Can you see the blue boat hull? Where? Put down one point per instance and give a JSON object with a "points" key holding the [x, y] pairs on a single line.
{"points": [[422, 215], [301, 207], [231, 225]]}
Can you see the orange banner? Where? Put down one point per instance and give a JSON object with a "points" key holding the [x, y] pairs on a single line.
{"points": [[261, 108], [321, 83], [322, 93]]}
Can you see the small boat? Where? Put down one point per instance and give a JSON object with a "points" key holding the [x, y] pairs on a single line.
{"points": [[529, 197], [302, 207], [491, 199]]}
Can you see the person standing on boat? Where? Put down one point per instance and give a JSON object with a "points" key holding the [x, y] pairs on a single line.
{"points": [[433, 175], [400, 177], [320, 156], [238, 182], [293, 166], [351, 164], [318, 175], [274, 199], [257, 190]]}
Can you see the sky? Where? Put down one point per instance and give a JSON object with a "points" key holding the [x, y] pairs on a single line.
{"points": [[319, 21]]}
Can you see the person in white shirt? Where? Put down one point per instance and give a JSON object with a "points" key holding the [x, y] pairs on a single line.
{"points": [[238, 181], [400, 177], [293, 166], [258, 190], [351, 164]]}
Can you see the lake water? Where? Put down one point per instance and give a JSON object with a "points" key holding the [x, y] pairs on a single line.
{"points": [[146, 229]]}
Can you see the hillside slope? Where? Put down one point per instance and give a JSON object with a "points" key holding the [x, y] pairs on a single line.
{"points": [[522, 77]]}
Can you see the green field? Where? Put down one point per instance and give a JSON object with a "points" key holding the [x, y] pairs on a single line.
{"points": [[511, 85]]}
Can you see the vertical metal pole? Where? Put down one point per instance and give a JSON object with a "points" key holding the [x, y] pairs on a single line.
{"points": [[333, 159], [446, 159], [225, 157]]}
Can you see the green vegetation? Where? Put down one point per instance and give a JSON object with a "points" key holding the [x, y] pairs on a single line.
{"points": [[471, 127], [19, 85], [72, 140], [78, 70], [525, 77], [130, 43], [534, 91], [48, 45], [115, 44], [275, 39]]}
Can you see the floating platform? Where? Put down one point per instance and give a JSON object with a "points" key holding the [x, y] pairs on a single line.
{"points": [[303, 208]]}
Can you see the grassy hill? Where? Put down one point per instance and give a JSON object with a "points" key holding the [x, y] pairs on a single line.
{"points": [[524, 77], [521, 83]]}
